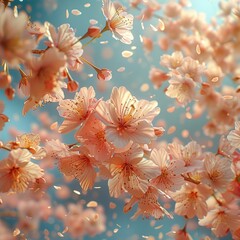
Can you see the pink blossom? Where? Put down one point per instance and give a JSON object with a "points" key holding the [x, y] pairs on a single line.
{"points": [[118, 21], [180, 234], [126, 118], [191, 69], [148, 205], [36, 29], [226, 7], [30, 209], [56, 149], [234, 136], [212, 128], [170, 171], [188, 18], [80, 166], [181, 88], [148, 44], [76, 111], [65, 40], [157, 77], [225, 148], [31, 142], [191, 200], [224, 113], [214, 74], [93, 136], [191, 154], [96, 221], [174, 61], [17, 171], [16, 43], [217, 172], [172, 9], [130, 172], [221, 220], [208, 96], [44, 77], [80, 222]]}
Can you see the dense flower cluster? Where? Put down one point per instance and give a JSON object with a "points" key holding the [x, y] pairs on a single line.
{"points": [[118, 139]]}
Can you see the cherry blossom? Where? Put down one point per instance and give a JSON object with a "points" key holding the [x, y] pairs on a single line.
{"points": [[217, 172], [93, 136], [221, 220], [80, 221], [65, 40], [174, 61], [15, 42], [191, 200], [234, 136], [117, 147], [180, 234], [76, 111], [181, 88], [31, 142], [130, 172], [44, 78], [191, 154], [17, 171], [148, 205], [80, 166], [126, 118], [170, 171], [157, 77], [119, 22]]}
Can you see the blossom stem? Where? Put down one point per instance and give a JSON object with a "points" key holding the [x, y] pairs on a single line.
{"points": [[189, 179], [72, 145], [23, 74], [8, 214], [185, 227], [90, 64], [39, 51], [5, 67], [106, 28], [5, 148], [219, 202], [69, 77], [84, 45]]}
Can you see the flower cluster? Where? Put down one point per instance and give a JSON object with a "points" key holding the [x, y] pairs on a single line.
{"points": [[120, 141]]}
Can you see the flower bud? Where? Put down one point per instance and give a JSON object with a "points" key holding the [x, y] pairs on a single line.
{"points": [[94, 31], [5, 80], [72, 86], [10, 93], [104, 74]]}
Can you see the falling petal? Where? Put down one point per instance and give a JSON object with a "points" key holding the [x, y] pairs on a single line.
{"points": [[153, 28], [87, 5], [127, 54], [76, 12], [161, 25], [67, 14], [198, 49], [92, 204]]}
